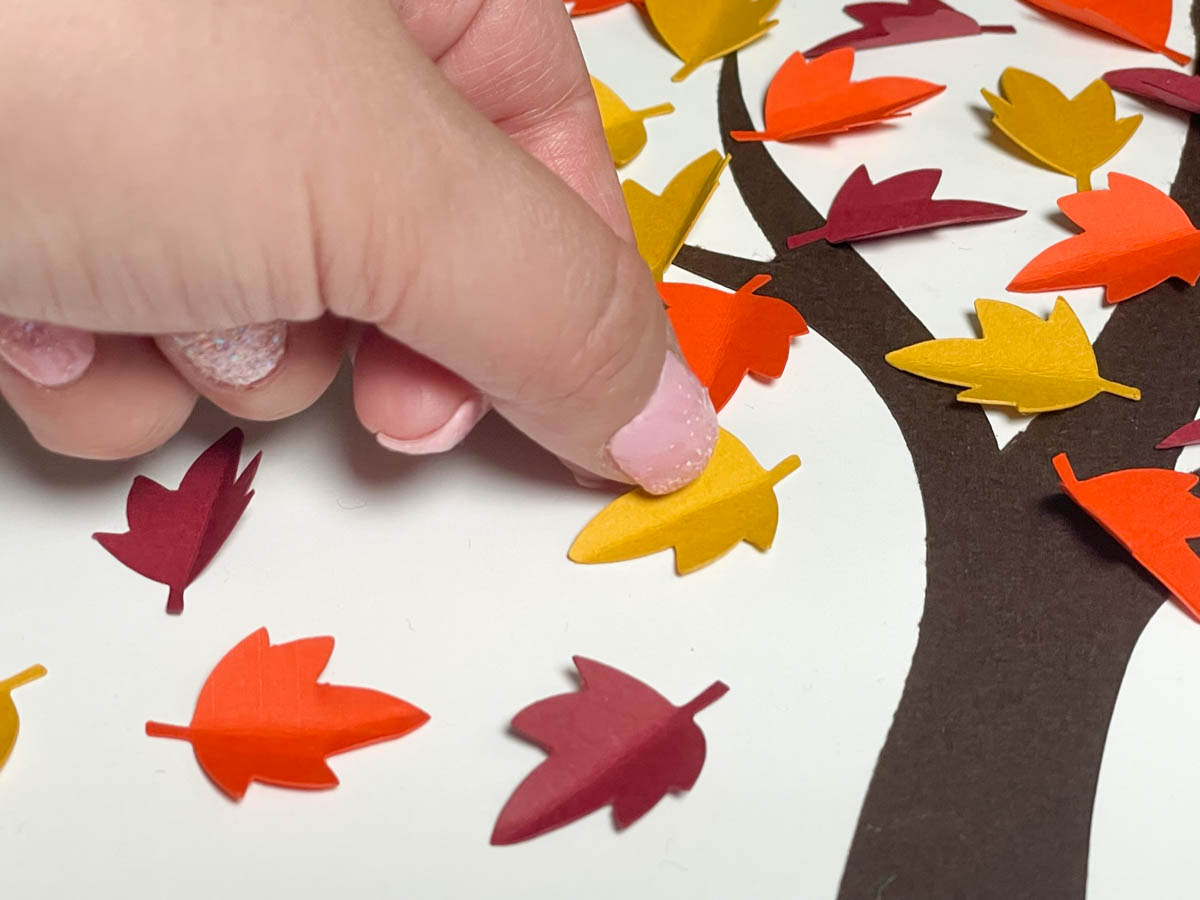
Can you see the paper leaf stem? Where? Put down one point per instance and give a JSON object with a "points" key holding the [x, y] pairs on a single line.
{"points": [[10, 722], [865, 209], [623, 127], [262, 716], [888, 24], [1143, 23], [698, 32], [614, 741], [1022, 360], [1184, 436], [724, 336], [1073, 136], [1165, 85], [1153, 514], [808, 98], [661, 222], [732, 501], [585, 7]]}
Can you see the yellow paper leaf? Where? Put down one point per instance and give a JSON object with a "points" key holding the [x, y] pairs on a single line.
{"points": [[734, 500], [1022, 360], [10, 723], [700, 30], [1073, 136], [661, 222], [623, 128]]}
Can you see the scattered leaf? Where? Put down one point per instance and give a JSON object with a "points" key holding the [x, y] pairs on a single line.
{"points": [[584, 7], [1143, 23], [614, 741], [10, 722], [698, 32], [888, 24], [1165, 85], [1185, 436], [623, 127]]}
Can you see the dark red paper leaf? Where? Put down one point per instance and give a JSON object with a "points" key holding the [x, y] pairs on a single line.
{"points": [[174, 534], [614, 741], [1185, 436], [863, 209], [887, 24], [1165, 85]]}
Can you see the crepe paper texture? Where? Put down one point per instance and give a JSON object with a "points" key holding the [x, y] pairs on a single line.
{"points": [[614, 741], [1153, 514], [864, 209], [1022, 360], [1143, 23], [661, 222], [1134, 237], [623, 127], [173, 535], [1073, 136], [698, 31], [10, 722], [1165, 85], [810, 98], [725, 336], [732, 501], [585, 7], [1185, 436], [888, 24], [262, 716]]}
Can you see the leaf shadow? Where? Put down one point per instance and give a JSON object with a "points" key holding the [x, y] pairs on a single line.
{"points": [[1092, 533]]}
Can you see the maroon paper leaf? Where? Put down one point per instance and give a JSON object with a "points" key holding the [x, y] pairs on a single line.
{"points": [[616, 740], [887, 24], [863, 209], [1165, 85], [174, 534], [1184, 436]]}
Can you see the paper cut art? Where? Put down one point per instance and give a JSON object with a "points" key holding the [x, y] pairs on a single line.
{"points": [[623, 127], [888, 24], [1022, 360], [698, 32], [584, 7], [733, 501], [1073, 136], [724, 336], [1185, 436], [262, 716], [1153, 514], [1164, 85], [864, 209], [1144, 23], [808, 98], [10, 722], [1134, 237], [614, 741], [661, 222]]}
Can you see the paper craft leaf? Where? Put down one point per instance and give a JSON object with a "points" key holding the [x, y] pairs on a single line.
{"points": [[1185, 436], [864, 209], [584, 7], [808, 98], [1134, 237], [1165, 85], [262, 716], [661, 222], [732, 501], [1143, 23], [1073, 136], [888, 24], [173, 535], [614, 741], [698, 32], [1022, 360], [724, 336], [623, 127], [1153, 513], [10, 722]]}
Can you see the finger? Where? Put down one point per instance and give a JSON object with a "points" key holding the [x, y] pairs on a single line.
{"points": [[128, 402], [49, 355]]}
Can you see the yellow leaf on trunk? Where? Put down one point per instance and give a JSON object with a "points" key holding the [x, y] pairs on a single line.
{"points": [[623, 127], [700, 30]]}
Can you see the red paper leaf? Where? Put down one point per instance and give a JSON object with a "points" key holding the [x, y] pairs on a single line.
{"points": [[1153, 513], [863, 209], [1165, 85], [262, 716], [724, 336], [887, 24], [614, 741], [584, 7], [1185, 436], [1143, 23], [174, 534]]}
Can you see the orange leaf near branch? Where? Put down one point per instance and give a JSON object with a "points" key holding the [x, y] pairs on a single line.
{"points": [[1143, 23], [586, 7]]}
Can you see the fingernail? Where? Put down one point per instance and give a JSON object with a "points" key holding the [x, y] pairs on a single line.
{"points": [[235, 357], [49, 355], [443, 438], [668, 444]]}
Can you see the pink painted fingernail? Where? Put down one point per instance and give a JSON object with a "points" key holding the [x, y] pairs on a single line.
{"points": [[443, 438], [49, 355], [235, 357], [668, 444]]}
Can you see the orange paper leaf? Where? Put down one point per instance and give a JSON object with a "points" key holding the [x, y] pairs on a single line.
{"points": [[724, 336], [810, 98], [1143, 23], [262, 716], [585, 7], [1134, 237]]}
